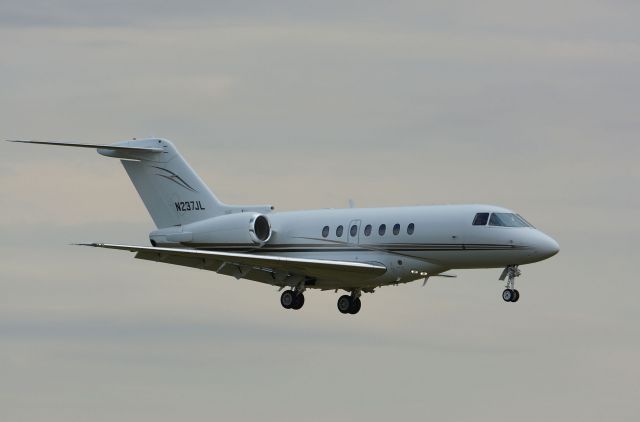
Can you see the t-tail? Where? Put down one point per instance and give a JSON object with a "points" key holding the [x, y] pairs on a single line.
{"points": [[171, 190]]}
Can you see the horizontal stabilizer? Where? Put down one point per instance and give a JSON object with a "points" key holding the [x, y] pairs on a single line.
{"points": [[107, 147]]}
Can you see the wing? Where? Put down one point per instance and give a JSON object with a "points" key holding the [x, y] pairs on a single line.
{"points": [[269, 269]]}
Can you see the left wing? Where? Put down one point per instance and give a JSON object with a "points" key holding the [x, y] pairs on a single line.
{"points": [[265, 268]]}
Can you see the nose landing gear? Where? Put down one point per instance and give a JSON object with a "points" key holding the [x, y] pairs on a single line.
{"points": [[510, 294]]}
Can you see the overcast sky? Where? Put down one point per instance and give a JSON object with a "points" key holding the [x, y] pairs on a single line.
{"points": [[533, 106]]}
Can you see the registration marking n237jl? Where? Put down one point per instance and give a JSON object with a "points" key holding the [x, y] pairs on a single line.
{"points": [[189, 206]]}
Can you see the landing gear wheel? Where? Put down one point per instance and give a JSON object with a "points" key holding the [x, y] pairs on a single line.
{"points": [[298, 301], [287, 299], [344, 304], [356, 304], [516, 296], [508, 295]]}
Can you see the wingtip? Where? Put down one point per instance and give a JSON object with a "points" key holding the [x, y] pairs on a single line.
{"points": [[86, 244]]}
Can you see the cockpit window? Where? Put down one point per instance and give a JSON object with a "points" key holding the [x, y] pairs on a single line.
{"points": [[526, 222], [481, 219], [506, 219]]}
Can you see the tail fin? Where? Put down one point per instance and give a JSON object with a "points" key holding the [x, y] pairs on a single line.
{"points": [[170, 189]]}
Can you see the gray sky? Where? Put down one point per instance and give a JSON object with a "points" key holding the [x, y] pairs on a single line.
{"points": [[533, 106]]}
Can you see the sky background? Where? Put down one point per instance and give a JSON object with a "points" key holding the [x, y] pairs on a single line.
{"points": [[530, 105]]}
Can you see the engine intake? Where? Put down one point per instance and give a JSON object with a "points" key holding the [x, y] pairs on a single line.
{"points": [[260, 229]]}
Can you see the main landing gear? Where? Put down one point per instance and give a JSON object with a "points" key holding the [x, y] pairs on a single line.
{"points": [[292, 299], [347, 304], [350, 304], [510, 294]]}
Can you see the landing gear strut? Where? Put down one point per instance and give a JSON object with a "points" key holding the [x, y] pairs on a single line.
{"points": [[291, 299], [510, 294], [350, 304]]}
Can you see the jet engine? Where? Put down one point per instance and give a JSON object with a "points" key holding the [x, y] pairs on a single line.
{"points": [[239, 229]]}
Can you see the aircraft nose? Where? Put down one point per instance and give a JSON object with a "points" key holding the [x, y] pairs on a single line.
{"points": [[547, 246]]}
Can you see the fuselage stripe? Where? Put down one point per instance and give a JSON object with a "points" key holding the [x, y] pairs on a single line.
{"points": [[342, 248]]}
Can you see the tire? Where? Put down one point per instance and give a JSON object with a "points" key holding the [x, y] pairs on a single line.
{"points": [[298, 301], [287, 299], [516, 296], [507, 295], [344, 304], [356, 304]]}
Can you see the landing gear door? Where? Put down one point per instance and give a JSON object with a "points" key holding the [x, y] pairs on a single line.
{"points": [[353, 232]]}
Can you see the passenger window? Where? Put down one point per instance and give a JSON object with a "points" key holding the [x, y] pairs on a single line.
{"points": [[396, 229], [481, 219], [354, 230], [382, 229], [339, 231], [367, 230], [325, 231], [410, 228]]}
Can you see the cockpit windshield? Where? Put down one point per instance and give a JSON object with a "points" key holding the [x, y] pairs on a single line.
{"points": [[501, 219], [506, 219]]}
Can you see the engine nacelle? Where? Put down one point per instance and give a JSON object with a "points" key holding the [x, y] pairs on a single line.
{"points": [[260, 229], [245, 228]]}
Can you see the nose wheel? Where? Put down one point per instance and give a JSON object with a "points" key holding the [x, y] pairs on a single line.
{"points": [[510, 294]]}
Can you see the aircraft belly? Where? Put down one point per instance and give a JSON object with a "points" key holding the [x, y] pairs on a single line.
{"points": [[399, 267]]}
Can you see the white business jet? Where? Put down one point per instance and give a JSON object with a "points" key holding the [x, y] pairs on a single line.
{"points": [[354, 249]]}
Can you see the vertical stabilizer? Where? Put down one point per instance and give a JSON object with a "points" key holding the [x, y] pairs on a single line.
{"points": [[170, 189]]}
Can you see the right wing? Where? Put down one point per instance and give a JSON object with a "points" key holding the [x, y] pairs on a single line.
{"points": [[264, 268]]}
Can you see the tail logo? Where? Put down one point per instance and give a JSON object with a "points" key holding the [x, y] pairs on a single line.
{"points": [[169, 175]]}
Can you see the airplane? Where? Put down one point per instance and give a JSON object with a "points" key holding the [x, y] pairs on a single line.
{"points": [[356, 250]]}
